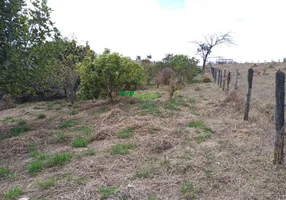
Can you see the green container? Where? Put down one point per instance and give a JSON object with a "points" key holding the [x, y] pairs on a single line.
{"points": [[124, 94]]}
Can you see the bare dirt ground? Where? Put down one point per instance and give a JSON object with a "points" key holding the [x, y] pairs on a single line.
{"points": [[195, 147]]}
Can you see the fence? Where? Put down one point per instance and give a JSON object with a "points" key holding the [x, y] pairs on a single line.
{"points": [[222, 78]]}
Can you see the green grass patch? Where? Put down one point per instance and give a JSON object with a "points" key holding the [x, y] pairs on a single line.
{"points": [[38, 108], [122, 149], [152, 197], [146, 96], [42, 116], [144, 173], [20, 128], [76, 180], [59, 160], [47, 184], [107, 192], [50, 107], [187, 188], [60, 136], [4, 172], [13, 194], [102, 109], [202, 136], [88, 152], [87, 131], [126, 133], [35, 167], [79, 143], [200, 125], [42, 161], [75, 106], [73, 112], [33, 150], [68, 124], [150, 107]]}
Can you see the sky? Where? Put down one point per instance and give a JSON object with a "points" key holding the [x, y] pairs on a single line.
{"points": [[159, 27]]}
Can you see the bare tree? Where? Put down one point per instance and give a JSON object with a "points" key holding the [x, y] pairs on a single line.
{"points": [[205, 48]]}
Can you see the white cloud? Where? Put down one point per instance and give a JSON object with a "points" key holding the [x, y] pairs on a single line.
{"points": [[142, 27]]}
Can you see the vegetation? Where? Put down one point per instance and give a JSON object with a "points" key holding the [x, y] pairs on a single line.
{"points": [[46, 184], [79, 143], [3, 172], [107, 192], [122, 149], [13, 194], [42, 116], [126, 133], [68, 124]]}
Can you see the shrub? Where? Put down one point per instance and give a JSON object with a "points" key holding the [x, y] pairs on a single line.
{"points": [[96, 75]]}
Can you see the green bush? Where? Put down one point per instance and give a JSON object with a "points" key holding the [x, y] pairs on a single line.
{"points": [[96, 75]]}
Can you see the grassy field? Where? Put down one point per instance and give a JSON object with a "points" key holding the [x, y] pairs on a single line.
{"points": [[194, 147]]}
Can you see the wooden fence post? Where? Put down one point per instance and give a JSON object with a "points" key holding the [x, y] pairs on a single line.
{"points": [[220, 79], [279, 117], [248, 94], [224, 75], [228, 81], [235, 80], [217, 76]]}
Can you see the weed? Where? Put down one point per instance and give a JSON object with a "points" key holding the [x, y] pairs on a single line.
{"points": [[122, 149], [87, 131], [143, 173], [37, 108], [46, 184], [207, 172], [88, 152], [146, 96], [107, 192], [33, 150], [59, 159], [79, 143], [60, 136], [3, 172], [172, 105], [75, 106], [150, 107], [76, 180], [126, 133], [13, 194], [202, 136], [50, 107], [42, 116], [102, 109], [152, 197], [73, 112], [22, 127], [187, 188], [69, 123], [35, 167], [200, 125]]}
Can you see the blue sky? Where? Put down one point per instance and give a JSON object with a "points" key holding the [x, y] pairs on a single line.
{"points": [[158, 27]]}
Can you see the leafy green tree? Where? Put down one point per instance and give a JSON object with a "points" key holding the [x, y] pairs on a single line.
{"points": [[23, 35], [107, 74]]}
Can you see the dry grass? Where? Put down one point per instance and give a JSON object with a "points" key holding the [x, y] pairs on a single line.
{"points": [[234, 161]]}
